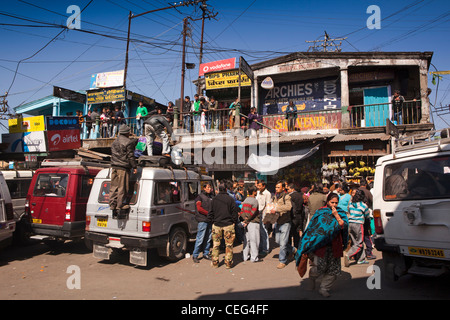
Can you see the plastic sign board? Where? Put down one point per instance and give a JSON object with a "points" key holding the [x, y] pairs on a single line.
{"points": [[220, 65], [22, 125], [25, 142], [63, 140], [267, 83], [226, 79], [107, 79]]}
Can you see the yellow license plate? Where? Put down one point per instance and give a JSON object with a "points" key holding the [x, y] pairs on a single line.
{"points": [[37, 220], [102, 223], [427, 252]]}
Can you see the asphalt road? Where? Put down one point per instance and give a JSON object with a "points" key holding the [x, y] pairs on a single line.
{"points": [[70, 272]]}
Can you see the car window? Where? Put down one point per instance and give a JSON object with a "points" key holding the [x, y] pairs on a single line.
{"points": [[103, 196], [18, 188], [51, 184], [418, 179], [85, 186], [192, 189], [167, 192]]}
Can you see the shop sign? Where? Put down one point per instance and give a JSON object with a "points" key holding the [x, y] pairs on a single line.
{"points": [[69, 95], [267, 83], [63, 140], [319, 121], [226, 79], [307, 95], [25, 142], [106, 95], [31, 124], [63, 123], [220, 65], [107, 79]]}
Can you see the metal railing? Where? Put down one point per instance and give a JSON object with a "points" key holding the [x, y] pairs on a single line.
{"points": [[375, 115]]}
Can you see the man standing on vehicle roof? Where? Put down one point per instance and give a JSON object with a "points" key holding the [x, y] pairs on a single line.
{"points": [[122, 161], [154, 126]]}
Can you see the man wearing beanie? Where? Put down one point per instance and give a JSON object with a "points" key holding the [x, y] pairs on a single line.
{"points": [[122, 161]]}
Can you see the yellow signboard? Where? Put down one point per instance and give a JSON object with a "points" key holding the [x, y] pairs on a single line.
{"points": [[31, 124], [226, 79]]}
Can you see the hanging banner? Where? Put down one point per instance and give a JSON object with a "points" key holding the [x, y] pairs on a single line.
{"points": [[30, 124], [226, 79], [307, 95], [63, 140]]}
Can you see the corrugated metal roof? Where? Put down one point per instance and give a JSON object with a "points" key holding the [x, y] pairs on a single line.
{"points": [[359, 137]]}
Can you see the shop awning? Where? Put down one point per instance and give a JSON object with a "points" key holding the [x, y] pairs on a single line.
{"points": [[270, 164]]}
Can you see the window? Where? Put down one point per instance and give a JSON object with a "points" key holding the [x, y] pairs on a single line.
{"points": [[418, 179], [167, 192], [51, 184], [18, 188], [85, 186], [103, 197], [192, 190]]}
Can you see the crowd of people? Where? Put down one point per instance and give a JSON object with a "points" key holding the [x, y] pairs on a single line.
{"points": [[318, 224]]}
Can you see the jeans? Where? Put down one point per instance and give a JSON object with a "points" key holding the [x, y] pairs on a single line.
{"points": [[203, 237], [251, 242], [187, 123], [197, 128], [281, 233], [139, 126]]}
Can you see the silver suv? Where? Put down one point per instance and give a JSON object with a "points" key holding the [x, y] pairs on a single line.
{"points": [[162, 214]]}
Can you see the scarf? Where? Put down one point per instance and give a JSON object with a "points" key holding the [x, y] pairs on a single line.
{"points": [[321, 231]]}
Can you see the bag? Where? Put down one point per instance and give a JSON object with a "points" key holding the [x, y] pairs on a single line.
{"points": [[271, 218], [303, 265], [141, 144]]}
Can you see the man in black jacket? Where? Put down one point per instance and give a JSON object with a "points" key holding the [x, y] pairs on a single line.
{"points": [[298, 214], [154, 126], [122, 161], [223, 215], [203, 204]]}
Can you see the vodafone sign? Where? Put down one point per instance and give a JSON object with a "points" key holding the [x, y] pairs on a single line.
{"points": [[220, 65], [63, 139]]}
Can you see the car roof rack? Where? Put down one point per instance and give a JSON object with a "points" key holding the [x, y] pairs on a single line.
{"points": [[421, 140], [75, 163]]}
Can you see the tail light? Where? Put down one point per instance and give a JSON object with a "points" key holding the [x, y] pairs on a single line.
{"points": [[377, 221], [27, 206], [9, 211], [88, 222], [68, 209], [146, 226]]}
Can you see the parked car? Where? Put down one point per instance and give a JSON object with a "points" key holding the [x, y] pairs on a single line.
{"points": [[411, 209], [7, 222], [162, 214], [18, 182], [56, 202]]}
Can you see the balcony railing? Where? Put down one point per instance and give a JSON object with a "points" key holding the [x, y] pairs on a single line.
{"points": [[369, 115], [375, 115]]}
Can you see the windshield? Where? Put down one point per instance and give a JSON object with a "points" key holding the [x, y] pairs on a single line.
{"points": [[418, 179]]}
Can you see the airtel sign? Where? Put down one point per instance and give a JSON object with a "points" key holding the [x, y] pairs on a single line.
{"points": [[220, 65], [63, 140]]}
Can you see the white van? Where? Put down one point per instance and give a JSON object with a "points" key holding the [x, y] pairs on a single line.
{"points": [[7, 221], [411, 208], [162, 214], [18, 182]]}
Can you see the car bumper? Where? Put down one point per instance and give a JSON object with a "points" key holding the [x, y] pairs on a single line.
{"points": [[130, 242], [67, 230]]}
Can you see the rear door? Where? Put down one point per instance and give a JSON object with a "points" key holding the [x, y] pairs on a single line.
{"points": [[49, 198], [104, 221], [416, 194]]}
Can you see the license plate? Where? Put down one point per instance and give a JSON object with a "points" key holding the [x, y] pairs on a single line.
{"points": [[37, 220], [427, 252], [102, 223]]}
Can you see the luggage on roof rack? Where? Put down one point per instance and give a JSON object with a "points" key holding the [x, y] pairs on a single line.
{"points": [[421, 140]]}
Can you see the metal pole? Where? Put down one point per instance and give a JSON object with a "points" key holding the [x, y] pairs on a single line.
{"points": [[183, 72], [128, 48]]}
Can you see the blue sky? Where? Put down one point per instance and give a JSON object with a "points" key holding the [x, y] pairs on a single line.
{"points": [[255, 29]]}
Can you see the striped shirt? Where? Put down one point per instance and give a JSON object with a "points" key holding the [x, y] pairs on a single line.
{"points": [[358, 212]]}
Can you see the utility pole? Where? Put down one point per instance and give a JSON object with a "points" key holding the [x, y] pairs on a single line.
{"points": [[205, 14], [183, 72]]}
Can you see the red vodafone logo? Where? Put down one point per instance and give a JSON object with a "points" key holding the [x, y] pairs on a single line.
{"points": [[219, 65]]}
